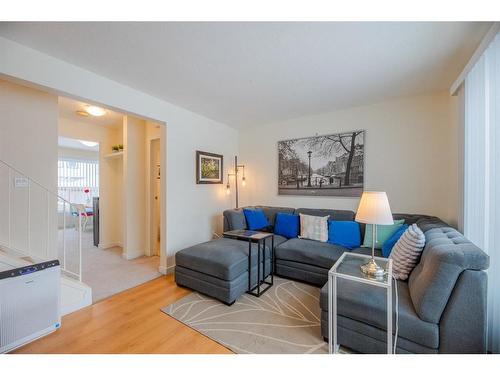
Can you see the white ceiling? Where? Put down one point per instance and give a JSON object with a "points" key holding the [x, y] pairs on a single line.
{"points": [[69, 107], [246, 74]]}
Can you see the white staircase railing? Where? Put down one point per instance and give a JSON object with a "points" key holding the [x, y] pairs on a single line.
{"points": [[36, 223]]}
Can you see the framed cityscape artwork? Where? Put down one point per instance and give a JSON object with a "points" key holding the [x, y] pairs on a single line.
{"points": [[323, 165]]}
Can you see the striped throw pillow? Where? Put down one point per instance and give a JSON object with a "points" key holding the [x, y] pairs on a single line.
{"points": [[314, 227], [406, 252]]}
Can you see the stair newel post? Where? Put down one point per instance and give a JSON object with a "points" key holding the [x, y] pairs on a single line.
{"points": [[80, 244], [64, 235]]}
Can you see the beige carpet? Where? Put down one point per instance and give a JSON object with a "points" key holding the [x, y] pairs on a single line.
{"points": [[286, 319], [105, 270]]}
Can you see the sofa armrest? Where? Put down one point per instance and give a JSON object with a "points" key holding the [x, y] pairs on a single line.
{"points": [[462, 328]]}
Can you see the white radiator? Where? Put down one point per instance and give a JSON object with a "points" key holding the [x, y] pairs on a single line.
{"points": [[29, 303]]}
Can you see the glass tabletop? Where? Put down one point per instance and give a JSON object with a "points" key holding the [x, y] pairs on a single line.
{"points": [[348, 266]]}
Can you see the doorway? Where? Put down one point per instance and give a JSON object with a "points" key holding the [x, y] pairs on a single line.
{"points": [[117, 159]]}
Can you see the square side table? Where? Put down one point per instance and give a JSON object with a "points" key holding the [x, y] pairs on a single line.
{"points": [[348, 267], [260, 239]]}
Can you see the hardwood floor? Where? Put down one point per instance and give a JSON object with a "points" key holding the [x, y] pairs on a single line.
{"points": [[129, 322]]}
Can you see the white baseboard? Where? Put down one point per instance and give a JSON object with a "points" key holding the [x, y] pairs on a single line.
{"points": [[110, 244], [166, 270], [129, 256], [75, 295]]}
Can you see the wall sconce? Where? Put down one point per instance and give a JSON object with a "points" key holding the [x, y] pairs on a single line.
{"points": [[235, 174]]}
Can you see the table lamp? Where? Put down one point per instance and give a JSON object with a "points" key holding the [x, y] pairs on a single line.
{"points": [[374, 209]]}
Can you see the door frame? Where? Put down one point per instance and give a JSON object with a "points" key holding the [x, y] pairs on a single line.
{"points": [[153, 232]]}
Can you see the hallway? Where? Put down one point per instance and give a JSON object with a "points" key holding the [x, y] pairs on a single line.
{"points": [[105, 270]]}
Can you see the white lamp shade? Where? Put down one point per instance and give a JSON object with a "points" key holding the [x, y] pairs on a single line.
{"points": [[374, 209]]}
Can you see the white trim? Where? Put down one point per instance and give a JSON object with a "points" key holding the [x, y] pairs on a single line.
{"points": [[166, 270], [109, 245], [75, 295], [490, 35]]}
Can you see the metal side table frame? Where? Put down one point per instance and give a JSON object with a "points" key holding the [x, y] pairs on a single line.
{"points": [[260, 239], [347, 267]]}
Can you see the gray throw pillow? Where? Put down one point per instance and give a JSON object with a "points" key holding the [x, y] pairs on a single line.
{"points": [[406, 252]]}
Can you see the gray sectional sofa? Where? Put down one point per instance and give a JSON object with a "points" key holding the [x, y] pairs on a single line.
{"points": [[442, 306]]}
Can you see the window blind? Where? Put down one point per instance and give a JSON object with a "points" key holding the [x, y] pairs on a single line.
{"points": [[481, 175], [74, 175]]}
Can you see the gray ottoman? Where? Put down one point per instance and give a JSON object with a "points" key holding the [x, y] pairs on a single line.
{"points": [[219, 268]]}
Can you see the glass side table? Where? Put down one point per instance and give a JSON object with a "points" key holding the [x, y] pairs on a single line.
{"points": [[347, 267]]}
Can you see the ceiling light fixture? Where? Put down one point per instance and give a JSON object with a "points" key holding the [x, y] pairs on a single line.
{"points": [[89, 143], [82, 113], [95, 111]]}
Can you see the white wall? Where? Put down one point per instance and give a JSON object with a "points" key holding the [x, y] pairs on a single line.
{"points": [[134, 187], [28, 142], [191, 211], [110, 176], [411, 152], [66, 152]]}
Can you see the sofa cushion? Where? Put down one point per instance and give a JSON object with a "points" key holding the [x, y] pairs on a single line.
{"points": [[424, 222], [314, 227], [271, 212], [224, 258], [256, 220], [446, 255], [300, 271], [343, 215], [321, 254], [382, 234], [278, 240], [367, 304], [406, 252], [344, 233], [234, 219], [369, 339], [287, 225], [389, 244]]}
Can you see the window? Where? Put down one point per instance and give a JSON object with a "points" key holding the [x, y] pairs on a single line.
{"points": [[482, 174], [78, 180]]}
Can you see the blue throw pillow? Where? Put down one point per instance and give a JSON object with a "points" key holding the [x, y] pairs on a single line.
{"points": [[391, 241], [344, 233], [287, 225], [255, 219]]}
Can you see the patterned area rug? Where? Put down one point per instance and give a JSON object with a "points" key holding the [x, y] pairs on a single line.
{"points": [[286, 319]]}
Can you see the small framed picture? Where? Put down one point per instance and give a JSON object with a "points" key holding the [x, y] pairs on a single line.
{"points": [[209, 168]]}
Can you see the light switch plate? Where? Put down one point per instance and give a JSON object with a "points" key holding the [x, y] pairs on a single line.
{"points": [[21, 182]]}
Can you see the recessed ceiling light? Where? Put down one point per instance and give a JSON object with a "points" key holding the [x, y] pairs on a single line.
{"points": [[82, 113], [95, 111], [88, 143]]}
